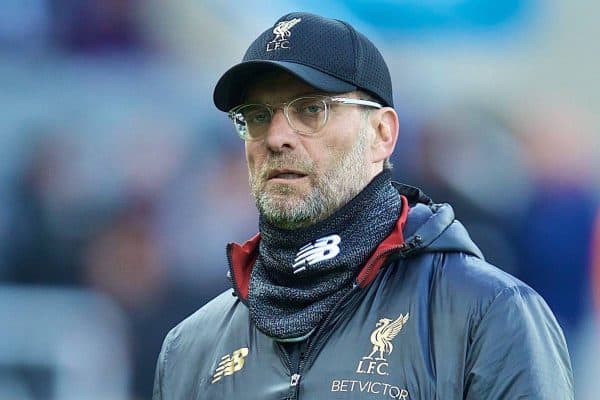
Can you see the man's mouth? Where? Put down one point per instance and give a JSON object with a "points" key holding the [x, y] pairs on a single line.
{"points": [[285, 174]]}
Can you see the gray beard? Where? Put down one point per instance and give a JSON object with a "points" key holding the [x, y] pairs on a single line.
{"points": [[330, 190]]}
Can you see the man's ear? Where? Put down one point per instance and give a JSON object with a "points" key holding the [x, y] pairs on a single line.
{"points": [[385, 123]]}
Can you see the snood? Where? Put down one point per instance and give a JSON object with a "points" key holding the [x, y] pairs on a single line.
{"points": [[301, 274]]}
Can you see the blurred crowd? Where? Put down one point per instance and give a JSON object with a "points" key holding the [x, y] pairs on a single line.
{"points": [[120, 186]]}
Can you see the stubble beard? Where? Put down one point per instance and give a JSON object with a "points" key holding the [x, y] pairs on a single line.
{"points": [[286, 207]]}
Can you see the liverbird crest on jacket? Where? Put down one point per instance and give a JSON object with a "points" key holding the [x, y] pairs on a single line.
{"points": [[382, 336]]}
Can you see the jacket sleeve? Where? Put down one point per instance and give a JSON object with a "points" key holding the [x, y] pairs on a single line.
{"points": [[518, 351]]}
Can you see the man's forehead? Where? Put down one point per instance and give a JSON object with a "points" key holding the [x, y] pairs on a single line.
{"points": [[277, 86]]}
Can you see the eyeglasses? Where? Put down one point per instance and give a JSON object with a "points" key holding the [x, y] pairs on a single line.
{"points": [[305, 115]]}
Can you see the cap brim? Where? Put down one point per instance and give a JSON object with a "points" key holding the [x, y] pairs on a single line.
{"points": [[232, 86]]}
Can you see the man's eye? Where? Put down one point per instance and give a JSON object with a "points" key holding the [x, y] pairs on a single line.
{"points": [[259, 117], [312, 108]]}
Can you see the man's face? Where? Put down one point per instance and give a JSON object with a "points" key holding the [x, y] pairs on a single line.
{"points": [[298, 180]]}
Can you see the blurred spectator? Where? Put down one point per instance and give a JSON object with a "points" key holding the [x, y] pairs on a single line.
{"points": [[556, 231], [54, 345], [96, 25], [587, 367], [595, 263], [467, 157], [44, 246], [209, 207], [123, 260]]}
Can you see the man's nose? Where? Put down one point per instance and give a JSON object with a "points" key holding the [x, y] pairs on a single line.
{"points": [[279, 134]]}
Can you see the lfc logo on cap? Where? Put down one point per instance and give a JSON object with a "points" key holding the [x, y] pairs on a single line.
{"points": [[282, 33]]}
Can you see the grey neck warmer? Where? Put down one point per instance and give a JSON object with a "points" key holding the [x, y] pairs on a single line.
{"points": [[301, 274]]}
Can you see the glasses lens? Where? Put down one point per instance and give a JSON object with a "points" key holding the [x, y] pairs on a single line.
{"points": [[307, 114], [251, 121]]}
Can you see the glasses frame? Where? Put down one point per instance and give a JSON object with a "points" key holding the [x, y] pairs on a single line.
{"points": [[327, 100]]}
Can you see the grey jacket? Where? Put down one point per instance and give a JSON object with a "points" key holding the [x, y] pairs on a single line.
{"points": [[428, 318]]}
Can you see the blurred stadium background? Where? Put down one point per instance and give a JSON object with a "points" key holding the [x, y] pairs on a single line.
{"points": [[120, 183]]}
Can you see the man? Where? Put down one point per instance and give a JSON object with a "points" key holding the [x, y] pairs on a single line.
{"points": [[355, 287]]}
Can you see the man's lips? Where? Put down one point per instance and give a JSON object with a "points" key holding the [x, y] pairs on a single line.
{"points": [[285, 174]]}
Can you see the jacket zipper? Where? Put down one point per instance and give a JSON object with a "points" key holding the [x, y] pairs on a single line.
{"points": [[404, 248], [231, 275], [304, 355], [296, 376]]}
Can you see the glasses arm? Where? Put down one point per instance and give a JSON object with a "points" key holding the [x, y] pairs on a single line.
{"points": [[360, 102]]}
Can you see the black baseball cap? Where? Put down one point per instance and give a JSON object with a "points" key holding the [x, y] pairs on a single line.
{"points": [[328, 54]]}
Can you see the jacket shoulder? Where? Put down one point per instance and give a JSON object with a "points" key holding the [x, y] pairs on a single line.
{"points": [[188, 346], [191, 333], [462, 288], [473, 285], [515, 345], [512, 342], [466, 275]]}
